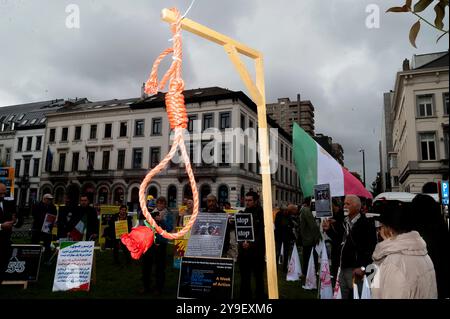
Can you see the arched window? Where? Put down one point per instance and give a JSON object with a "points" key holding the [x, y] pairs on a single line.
{"points": [[59, 196], [242, 199], [135, 199], [119, 196], [204, 192], [187, 191], [102, 196], [222, 194], [172, 196], [152, 190]]}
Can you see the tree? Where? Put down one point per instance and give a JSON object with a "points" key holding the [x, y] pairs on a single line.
{"points": [[419, 7]]}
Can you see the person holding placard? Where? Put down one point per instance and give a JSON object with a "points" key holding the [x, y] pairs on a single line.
{"points": [[44, 216], [114, 234]]}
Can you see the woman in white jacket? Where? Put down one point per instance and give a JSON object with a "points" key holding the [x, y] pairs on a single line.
{"points": [[404, 269]]}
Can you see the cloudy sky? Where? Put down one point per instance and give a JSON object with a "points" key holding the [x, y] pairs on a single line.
{"points": [[320, 49]]}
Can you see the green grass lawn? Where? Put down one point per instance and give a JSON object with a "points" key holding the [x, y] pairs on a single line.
{"points": [[124, 282]]}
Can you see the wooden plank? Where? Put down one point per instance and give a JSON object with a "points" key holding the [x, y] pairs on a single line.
{"points": [[209, 34], [24, 283], [272, 279], [242, 70]]}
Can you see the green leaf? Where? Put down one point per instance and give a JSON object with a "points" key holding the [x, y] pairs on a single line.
{"points": [[398, 9], [440, 14], [422, 5], [413, 33]]}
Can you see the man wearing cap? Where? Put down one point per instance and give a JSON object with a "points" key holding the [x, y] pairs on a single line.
{"points": [[39, 211]]}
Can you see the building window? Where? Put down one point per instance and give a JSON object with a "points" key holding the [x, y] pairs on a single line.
{"points": [[208, 120], [225, 156], [62, 162], [445, 96], [396, 181], [17, 167], [26, 167], [36, 167], [137, 158], [8, 157], [91, 160], [93, 133], [281, 150], [139, 128], [52, 136], [19, 144], [108, 130], [75, 161], [251, 124], [38, 143], [191, 120], [29, 142], [123, 129], [282, 174], [77, 135], [121, 159], [105, 162], [243, 122], [172, 196], [446, 141], [64, 134], [286, 176], [155, 156], [225, 120], [428, 147], [157, 126], [425, 105]]}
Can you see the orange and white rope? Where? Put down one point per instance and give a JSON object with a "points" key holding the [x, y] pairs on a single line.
{"points": [[176, 110]]}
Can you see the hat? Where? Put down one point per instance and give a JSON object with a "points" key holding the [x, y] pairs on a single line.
{"points": [[395, 214], [48, 196]]}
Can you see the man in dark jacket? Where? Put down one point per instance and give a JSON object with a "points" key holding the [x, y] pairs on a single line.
{"points": [[84, 221], [309, 234], [66, 217], [7, 220], [251, 254], [358, 243], [39, 213]]}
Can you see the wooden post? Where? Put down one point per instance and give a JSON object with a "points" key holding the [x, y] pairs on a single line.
{"points": [[257, 91]]}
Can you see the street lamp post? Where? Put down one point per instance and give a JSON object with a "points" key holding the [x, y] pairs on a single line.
{"points": [[364, 166]]}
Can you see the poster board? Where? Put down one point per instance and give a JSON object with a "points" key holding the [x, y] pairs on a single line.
{"points": [[206, 278], [23, 264], [121, 228], [105, 216], [74, 266], [49, 222], [180, 244], [244, 227], [322, 197], [207, 235]]}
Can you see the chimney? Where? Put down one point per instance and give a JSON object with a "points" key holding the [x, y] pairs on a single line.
{"points": [[143, 94], [406, 66]]}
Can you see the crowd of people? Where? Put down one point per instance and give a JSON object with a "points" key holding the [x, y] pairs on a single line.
{"points": [[406, 242]]}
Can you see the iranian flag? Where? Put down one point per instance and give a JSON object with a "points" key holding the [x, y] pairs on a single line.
{"points": [[315, 166]]}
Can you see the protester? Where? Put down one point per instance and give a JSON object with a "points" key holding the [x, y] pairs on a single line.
{"points": [[284, 236], [336, 223], [251, 254], [66, 216], [111, 234], [187, 211], [84, 225], [157, 253], [8, 217], [309, 234], [404, 269], [213, 207], [430, 223], [39, 212], [358, 241]]}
